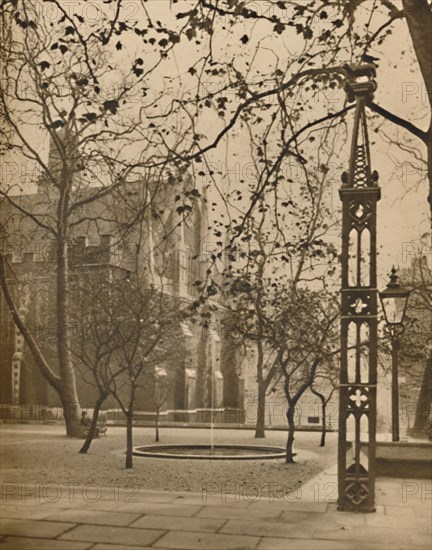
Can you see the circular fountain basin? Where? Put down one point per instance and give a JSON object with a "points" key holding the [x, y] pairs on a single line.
{"points": [[206, 452]]}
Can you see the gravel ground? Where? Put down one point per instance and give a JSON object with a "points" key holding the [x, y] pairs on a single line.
{"points": [[42, 454]]}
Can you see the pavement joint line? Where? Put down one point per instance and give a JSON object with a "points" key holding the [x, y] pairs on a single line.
{"points": [[74, 525], [201, 507], [136, 519], [225, 521], [165, 532]]}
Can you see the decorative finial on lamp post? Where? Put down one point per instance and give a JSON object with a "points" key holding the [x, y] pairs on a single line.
{"points": [[394, 278]]}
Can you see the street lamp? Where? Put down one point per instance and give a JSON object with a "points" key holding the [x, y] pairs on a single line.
{"points": [[394, 301]]}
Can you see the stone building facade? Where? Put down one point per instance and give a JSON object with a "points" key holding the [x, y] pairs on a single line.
{"points": [[171, 254]]}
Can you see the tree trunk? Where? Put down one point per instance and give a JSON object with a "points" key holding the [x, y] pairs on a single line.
{"points": [[65, 384], [424, 401], [324, 423], [260, 422], [93, 425], [291, 431], [157, 426], [418, 16], [68, 394], [129, 438], [429, 169]]}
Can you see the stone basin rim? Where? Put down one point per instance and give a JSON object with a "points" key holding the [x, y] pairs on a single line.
{"points": [[157, 451]]}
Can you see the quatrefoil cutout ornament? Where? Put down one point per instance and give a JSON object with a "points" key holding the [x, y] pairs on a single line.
{"points": [[358, 399], [359, 213], [357, 492], [359, 305]]}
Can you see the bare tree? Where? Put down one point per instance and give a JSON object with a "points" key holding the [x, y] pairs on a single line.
{"points": [[58, 80], [286, 246], [323, 386]]}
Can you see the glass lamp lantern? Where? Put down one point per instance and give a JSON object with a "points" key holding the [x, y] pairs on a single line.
{"points": [[394, 301]]}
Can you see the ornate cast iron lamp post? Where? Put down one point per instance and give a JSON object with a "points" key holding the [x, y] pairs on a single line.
{"points": [[394, 301], [358, 371]]}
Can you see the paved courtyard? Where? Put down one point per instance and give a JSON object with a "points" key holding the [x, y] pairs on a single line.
{"points": [[89, 517], [54, 498]]}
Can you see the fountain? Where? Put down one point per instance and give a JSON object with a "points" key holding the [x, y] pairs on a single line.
{"points": [[211, 451]]}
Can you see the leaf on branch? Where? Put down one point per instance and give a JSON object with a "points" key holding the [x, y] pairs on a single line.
{"points": [[111, 105], [191, 33], [184, 208], [137, 71], [63, 49], [184, 14], [279, 27], [89, 117], [44, 65], [245, 39], [174, 38], [57, 124], [307, 33], [119, 45], [69, 30]]}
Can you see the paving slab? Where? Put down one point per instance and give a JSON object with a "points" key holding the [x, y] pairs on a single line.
{"points": [[204, 498], [335, 519], [287, 506], [123, 547], [152, 496], [268, 529], [68, 496], [384, 545], [27, 543], [398, 511], [145, 508], [333, 507], [227, 512], [405, 521], [26, 512], [269, 543], [95, 517], [116, 535], [33, 528], [375, 535], [202, 525], [206, 541], [184, 521], [423, 512]]}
